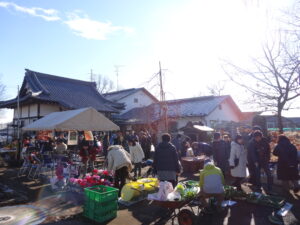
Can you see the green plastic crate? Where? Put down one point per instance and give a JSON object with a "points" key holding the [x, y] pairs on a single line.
{"points": [[101, 203]]}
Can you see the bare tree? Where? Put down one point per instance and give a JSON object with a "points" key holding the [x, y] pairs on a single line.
{"points": [[274, 80], [216, 89], [103, 83]]}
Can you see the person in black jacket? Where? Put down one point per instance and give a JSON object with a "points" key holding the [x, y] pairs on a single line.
{"points": [[221, 153], [287, 168], [248, 138], [166, 163], [259, 153], [202, 148]]}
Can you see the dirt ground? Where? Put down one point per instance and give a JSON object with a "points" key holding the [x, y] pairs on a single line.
{"points": [[66, 209]]}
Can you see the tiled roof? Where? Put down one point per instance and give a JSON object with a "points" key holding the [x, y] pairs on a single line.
{"points": [[70, 93], [118, 95], [201, 106]]}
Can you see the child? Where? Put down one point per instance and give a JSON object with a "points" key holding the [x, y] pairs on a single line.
{"points": [[137, 155], [211, 183]]}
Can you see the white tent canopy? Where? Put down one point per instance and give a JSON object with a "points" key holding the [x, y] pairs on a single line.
{"points": [[80, 119], [203, 128]]}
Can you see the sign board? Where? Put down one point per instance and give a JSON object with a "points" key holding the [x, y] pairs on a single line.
{"points": [[88, 135], [72, 138]]}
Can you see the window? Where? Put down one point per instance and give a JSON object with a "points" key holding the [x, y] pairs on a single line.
{"points": [[220, 107], [136, 100]]}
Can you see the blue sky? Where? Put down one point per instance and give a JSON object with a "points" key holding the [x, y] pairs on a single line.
{"points": [[70, 37]]}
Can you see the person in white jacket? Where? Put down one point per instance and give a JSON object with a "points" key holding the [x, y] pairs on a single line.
{"points": [[238, 161], [119, 161], [137, 156]]}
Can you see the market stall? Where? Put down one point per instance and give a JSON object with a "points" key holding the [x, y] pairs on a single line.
{"points": [[69, 165], [85, 119], [197, 131]]}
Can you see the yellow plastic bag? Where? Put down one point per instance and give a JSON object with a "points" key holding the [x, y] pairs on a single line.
{"points": [[150, 184], [131, 190], [135, 189]]}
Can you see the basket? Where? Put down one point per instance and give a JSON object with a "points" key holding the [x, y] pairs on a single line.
{"points": [[101, 203]]}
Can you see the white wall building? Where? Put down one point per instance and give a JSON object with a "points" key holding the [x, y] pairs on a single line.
{"points": [[210, 110], [132, 98]]}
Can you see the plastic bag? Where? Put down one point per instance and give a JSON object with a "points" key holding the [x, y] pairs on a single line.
{"points": [[165, 188], [174, 196]]}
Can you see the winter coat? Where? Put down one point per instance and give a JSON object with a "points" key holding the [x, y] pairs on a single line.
{"points": [[212, 179], [205, 149], [84, 154], [221, 154], [177, 143], [259, 152], [145, 142], [93, 151], [136, 153], [117, 158], [166, 158], [287, 167], [238, 151]]}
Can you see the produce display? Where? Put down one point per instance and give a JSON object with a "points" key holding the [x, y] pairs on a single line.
{"points": [[254, 197], [184, 191], [139, 189], [188, 190], [97, 177]]}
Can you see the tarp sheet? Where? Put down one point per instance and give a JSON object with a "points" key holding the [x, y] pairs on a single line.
{"points": [[80, 119]]}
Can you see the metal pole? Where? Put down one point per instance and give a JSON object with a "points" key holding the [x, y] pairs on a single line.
{"points": [[18, 112], [164, 106], [18, 124]]}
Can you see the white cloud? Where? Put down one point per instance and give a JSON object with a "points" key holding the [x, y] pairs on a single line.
{"points": [[79, 23], [92, 29], [46, 14]]}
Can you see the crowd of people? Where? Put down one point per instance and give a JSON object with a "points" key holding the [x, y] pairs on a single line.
{"points": [[247, 155]]}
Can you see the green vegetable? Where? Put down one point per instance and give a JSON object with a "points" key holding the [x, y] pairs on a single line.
{"points": [[180, 188]]}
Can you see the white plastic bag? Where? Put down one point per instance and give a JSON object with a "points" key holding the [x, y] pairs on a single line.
{"points": [[165, 188], [174, 196]]}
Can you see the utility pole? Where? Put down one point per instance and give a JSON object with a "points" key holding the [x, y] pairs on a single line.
{"points": [[18, 124], [18, 110], [92, 78], [117, 74], [163, 103], [161, 84]]}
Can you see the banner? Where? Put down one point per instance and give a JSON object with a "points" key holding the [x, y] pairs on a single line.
{"points": [[88, 135], [72, 138]]}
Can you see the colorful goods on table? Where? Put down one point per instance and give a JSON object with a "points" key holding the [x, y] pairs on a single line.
{"points": [[184, 191], [98, 177], [138, 189]]}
